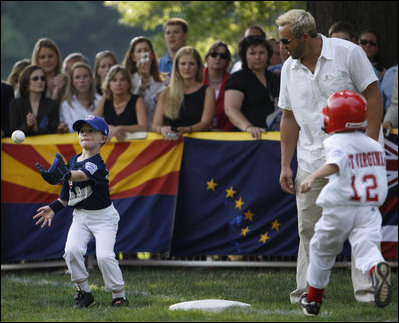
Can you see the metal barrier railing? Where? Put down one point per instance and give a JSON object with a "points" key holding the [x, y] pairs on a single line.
{"points": [[164, 260]]}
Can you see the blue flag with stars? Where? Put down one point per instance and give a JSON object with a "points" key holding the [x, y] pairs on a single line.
{"points": [[230, 200]]}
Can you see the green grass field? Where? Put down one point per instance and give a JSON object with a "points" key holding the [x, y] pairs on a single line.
{"points": [[47, 295]]}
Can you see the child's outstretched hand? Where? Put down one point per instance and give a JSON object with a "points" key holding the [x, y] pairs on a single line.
{"points": [[45, 215], [306, 185]]}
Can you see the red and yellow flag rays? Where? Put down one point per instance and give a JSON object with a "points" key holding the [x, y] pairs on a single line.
{"points": [[22, 183], [143, 168]]}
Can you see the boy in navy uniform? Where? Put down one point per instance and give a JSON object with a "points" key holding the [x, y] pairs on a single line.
{"points": [[85, 187]]}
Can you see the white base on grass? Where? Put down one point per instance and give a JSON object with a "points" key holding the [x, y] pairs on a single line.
{"points": [[212, 305]]}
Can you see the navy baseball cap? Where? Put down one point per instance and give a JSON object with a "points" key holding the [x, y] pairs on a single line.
{"points": [[93, 121]]}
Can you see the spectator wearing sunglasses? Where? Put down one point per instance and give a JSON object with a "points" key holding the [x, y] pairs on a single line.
{"points": [[369, 41], [218, 59], [250, 92], [33, 112]]}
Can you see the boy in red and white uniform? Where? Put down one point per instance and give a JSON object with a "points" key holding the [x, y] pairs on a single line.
{"points": [[357, 186]]}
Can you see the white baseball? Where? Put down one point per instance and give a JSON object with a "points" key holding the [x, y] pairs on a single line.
{"points": [[18, 136]]}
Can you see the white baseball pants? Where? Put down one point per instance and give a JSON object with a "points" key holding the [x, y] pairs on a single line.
{"points": [[308, 215], [103, 226], [360, 225]]}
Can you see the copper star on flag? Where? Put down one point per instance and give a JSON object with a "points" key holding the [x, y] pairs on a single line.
{"points": [[230, 192], [264, 237], [211, 185], [275, 225], [239, 203], [244, 231], [249, 215]]}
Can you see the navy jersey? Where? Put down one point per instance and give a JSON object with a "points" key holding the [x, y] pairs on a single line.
{"points": [[92, 194]]}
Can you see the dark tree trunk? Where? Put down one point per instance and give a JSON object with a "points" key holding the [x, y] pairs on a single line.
{"points": [[381, 16]]}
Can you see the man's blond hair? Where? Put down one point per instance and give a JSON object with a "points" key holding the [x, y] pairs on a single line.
{"points": [[300, 20]]}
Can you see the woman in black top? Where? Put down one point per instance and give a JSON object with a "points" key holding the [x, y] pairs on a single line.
{"points": [[251, 92], [33, 113], [122, 110], [186, 105]]}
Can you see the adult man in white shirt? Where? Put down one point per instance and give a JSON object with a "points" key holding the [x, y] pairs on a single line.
{"points": [[318, 67]]}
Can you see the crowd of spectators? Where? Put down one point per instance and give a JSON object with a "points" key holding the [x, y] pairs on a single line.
{"points": [[178, 93]]}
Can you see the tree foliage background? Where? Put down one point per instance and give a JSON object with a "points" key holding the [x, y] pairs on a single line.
{"points": [[208, 20], [91, 26], [76, 26]]}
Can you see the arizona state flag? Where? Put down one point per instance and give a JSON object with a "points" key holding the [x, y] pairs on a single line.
{"points": [[230, 202], [143, 179]]}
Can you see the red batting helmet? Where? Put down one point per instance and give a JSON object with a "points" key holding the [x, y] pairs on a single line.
{"points": [[345, 110]]}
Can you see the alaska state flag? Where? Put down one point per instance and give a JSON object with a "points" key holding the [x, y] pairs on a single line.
{"points": [[143, 181], [230, 200]]}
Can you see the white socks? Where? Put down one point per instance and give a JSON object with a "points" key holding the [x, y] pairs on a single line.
{"points": [[118, 295], [84, 286]]}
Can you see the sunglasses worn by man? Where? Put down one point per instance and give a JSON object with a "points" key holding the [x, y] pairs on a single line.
{"points": [[286, 41]]}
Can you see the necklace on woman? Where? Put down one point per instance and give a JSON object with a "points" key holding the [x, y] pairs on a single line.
{"points": [[120, 104], [215, 82]]}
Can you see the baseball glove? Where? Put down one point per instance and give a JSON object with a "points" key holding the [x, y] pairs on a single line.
{"points": [[57, 173]]}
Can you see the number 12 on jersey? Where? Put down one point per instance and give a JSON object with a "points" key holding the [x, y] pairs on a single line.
{"points": [[370, 185]]}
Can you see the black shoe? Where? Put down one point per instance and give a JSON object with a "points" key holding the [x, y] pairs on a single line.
{"points": [[119, 301], [309, 308], [83, 299], [382, 284]]}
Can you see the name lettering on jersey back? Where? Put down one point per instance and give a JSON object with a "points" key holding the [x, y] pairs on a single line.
{"points": [[369, 159]]}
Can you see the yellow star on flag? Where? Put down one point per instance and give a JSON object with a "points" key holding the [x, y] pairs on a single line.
{"points": [[239, 203], [249, 215], [275, 225], [230, 192], [244, 231], [264, 237], [211, 185]]}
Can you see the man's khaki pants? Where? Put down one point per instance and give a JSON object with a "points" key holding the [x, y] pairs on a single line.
{"points": [[308, 214]]}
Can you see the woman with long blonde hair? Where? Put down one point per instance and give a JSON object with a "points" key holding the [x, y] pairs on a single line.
{"points": [[186, 105], [47, 55]]}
